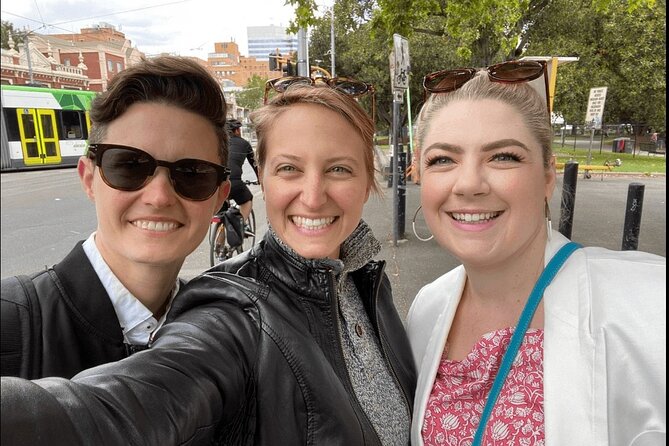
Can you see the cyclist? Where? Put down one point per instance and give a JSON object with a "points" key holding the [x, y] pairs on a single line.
{"points": [[240, 150]]}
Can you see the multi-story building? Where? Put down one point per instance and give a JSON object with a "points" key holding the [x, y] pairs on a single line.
{"points": [[101, 49], [263, 40], [21, 67], [228, 65]]}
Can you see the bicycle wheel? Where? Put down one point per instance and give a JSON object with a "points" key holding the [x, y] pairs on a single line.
{"points": [[217, 246]]}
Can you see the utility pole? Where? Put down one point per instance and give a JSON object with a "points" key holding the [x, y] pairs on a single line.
{"points": [[332, 43], [26, 43], [302, 53]]}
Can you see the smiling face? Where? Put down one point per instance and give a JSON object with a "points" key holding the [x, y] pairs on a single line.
{"points": [[315, 180], [484, 183], [153, 225]]}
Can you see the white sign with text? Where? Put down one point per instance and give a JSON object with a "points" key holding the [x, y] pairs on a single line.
{"points": [[595, 112]]}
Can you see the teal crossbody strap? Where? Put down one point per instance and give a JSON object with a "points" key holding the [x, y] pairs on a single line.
{"points": [[517, 339]]}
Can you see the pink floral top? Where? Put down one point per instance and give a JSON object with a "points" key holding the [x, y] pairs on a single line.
{"points": [[461, 387]]}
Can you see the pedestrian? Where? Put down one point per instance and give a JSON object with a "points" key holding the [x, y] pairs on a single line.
{"points": [[589, 365], [301, 345], [154, 171], [240, 151]]}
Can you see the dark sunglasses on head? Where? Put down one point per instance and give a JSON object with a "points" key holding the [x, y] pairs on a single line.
{"points": [[130, 169], [347, 85], [511, 72]]}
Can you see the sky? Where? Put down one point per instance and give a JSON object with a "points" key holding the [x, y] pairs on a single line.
{"points": [[182, 27]]}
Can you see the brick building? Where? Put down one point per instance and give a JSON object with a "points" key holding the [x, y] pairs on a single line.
{"points": [[227, 64]]}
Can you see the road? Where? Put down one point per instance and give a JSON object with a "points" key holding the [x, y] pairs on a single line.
{"points": [[45, 213]]}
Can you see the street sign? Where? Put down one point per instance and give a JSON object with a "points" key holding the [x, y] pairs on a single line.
{"points": [[595, 113], [402, 66]]}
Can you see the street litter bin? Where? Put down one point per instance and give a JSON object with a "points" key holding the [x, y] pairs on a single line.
{"points": [[622, 145]]}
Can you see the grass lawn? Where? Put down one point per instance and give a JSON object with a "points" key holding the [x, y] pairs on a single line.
{"points": [[637, 163], [640, 162]]}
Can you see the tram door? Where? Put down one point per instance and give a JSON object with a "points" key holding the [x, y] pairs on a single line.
{"points": [[39, 137]]}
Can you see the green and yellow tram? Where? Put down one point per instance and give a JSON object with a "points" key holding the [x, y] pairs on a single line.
{"points": [[43, 127]]}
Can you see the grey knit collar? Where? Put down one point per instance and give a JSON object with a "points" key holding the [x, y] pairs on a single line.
{"points": [[359, 248]]}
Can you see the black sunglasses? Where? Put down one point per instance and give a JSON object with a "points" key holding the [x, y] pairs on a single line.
{"points": [[347, 85], [511, 72], [129, 169]]}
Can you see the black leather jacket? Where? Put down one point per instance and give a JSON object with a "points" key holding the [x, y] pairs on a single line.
{"points": [[242, 362], [59, 321]]}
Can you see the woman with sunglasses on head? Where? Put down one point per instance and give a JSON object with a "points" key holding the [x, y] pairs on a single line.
{"points": [[302, 344], [154, 171], [533, 339]]}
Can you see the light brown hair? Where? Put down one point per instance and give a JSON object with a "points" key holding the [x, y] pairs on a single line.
{"points": [[344, 105]]}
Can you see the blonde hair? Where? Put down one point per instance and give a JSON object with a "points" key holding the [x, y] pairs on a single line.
{"points": [[344, 105], [521, 97]]}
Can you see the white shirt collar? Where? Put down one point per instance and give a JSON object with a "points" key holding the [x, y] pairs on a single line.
{"points": [[137, 321]]}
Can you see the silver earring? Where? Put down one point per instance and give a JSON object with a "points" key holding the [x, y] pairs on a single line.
{"points": [[413, 226], [549, 225]]}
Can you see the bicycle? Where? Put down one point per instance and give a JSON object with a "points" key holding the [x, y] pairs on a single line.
{"points": [[220, 237]]}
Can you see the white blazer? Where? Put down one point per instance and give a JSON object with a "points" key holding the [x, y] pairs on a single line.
{"points": [[604, 346]]}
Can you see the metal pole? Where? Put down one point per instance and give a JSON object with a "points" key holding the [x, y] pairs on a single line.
{"points": [[332, 43], [592, 137], [30, 65], [569, 179], [397, 103], [401, 192], [302, 53], [633, 216]]}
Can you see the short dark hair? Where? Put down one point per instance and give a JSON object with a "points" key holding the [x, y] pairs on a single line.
{"points": [[172, 80]]}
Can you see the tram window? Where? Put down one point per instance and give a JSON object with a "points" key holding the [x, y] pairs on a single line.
{"points": [[12, 124], [28, 126], [71, 124], [47, 127]]}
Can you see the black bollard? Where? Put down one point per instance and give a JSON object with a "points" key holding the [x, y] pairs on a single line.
{"points": [[633, 216], [401, 191], [568, 198]]}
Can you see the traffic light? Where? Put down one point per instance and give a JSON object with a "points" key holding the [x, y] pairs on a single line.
{"points": [[274, 61], [290, 68]]}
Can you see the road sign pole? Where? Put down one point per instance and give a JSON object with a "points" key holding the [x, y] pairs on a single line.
{"points": [[398, 96], [399, 75]]}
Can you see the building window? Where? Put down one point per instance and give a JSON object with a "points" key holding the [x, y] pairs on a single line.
{"points": [[110, 65], [67, 62], [119, 67]]}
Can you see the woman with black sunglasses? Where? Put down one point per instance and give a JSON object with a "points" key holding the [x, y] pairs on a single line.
{"points": [[154, 171], [301, 345], [532, 340]]}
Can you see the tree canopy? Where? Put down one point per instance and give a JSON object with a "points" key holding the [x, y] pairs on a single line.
{"points": [[620, 44]]}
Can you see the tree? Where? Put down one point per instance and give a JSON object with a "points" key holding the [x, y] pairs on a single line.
{"points": [[7, 28], [619, 48], [483, 31], [252, 95]]}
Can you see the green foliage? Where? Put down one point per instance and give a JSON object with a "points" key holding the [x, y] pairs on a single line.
{"points": [[621, 44], [622, 50], [7, 28], [252, 95]]}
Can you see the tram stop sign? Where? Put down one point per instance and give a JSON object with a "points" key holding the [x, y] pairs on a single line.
{"points": [[400, 66]]}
